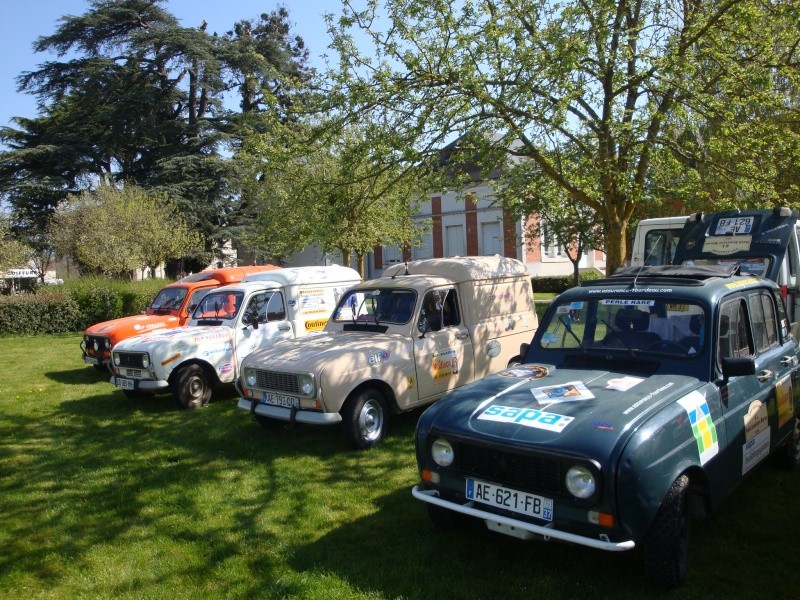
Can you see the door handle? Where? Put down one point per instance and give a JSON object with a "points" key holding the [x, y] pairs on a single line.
{"points": [[284, 327], [462, 336], [787, 361], [765, 375]]}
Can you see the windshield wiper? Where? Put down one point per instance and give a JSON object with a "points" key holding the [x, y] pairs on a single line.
{"points": [[620, 338], [568, 328]]}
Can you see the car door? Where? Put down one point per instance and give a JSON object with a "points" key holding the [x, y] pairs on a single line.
{"points": [[443, 350], [749, 329], [268, 310]]}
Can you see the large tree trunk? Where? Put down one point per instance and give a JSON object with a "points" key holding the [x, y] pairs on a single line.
{"points": [[616, 243]]}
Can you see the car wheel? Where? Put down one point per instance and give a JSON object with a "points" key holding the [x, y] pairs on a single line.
{"points": [[364, 419], [792, 456], [666, 547], [517, 360], [191, 387]]}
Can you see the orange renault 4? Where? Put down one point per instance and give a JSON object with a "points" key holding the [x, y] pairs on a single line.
{"points": [[172, 307]]}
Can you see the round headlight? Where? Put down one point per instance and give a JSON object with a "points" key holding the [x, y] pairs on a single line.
{"points": [[442, 452], [96, 346], [145, 361], [250, 378], [580, 482], [306, 386], [116, 359], [107, 343]]}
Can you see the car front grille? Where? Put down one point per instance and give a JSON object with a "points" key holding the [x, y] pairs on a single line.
{"points": [[131, 360], [133, 373], [278, 382], [91, 341], [516, 470]]}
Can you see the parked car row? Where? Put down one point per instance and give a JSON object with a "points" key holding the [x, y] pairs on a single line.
{"points": [[640, 401]]}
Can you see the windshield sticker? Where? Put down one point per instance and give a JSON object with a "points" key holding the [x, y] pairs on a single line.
{"points": [[550, 338], [526, 372], [573, 391], [623, 384], [703, 428], [627, 302], [529, 417], [723, 246], [445, 364], [755, 450], [783, 395], [647, 398], [741, 283]]}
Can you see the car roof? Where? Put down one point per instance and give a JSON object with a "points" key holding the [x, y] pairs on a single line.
{"points": [[703, 283]]}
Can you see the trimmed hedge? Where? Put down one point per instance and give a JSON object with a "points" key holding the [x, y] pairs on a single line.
{"points": [[560, 283], [75, 305]]}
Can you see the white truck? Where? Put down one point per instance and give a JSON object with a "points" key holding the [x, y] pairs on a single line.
{"points": [[228, 324], [656, 240], [395, 343]]}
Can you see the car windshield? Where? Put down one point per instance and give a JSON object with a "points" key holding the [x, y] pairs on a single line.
{"points": [[219, 305], [169, 299], [377, 305], [652, 325]]}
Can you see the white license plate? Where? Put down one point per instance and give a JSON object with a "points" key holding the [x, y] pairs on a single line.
{"points": [[123, 384], [91, 360], [279, 400], [502, 497], [736, 226]]}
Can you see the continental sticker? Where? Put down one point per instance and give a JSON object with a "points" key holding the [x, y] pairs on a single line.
{"points": [[315, 324], [703, 428], [529, 417]]}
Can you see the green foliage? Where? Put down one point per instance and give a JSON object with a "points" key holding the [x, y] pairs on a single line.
{"points": [[555, 284], [351, 192], [115, 230], [609, 100], [75, 305], [110, 497], [29, 314]]}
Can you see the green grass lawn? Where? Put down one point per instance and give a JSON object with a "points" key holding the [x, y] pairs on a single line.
{"points": [[102, 496]]}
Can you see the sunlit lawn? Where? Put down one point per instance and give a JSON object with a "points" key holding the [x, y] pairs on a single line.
{"points": [[106, 497]]}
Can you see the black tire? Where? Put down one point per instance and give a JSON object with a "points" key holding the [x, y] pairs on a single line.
{"points": [[191, 387], [666, 547], [517, 360], [364, 418]]}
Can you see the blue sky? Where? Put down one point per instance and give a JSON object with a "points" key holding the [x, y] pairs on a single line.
{"points": [[29, 19]]}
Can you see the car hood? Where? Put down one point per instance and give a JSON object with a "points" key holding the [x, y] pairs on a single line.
{"points": [[588, 411], [180, 338], [313, 352], [132, 325]]}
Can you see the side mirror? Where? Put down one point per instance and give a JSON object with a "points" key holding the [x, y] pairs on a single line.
{"points": [[737, 366], [523, 349]]}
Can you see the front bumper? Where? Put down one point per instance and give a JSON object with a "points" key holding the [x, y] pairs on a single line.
{"points": [[547, 532], [145, 385], [288, 414]]}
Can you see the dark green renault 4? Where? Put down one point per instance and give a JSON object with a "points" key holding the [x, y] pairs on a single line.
{"points": [[642, 401]]}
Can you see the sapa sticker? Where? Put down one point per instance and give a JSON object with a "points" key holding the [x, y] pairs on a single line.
{"points": [[529, 417]]}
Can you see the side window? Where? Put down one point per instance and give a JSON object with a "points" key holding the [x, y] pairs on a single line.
{"points": [[439, 309], [783, 319], [762, 313], [734, 333], [659, 246], [266, 307], [275, 308]]}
